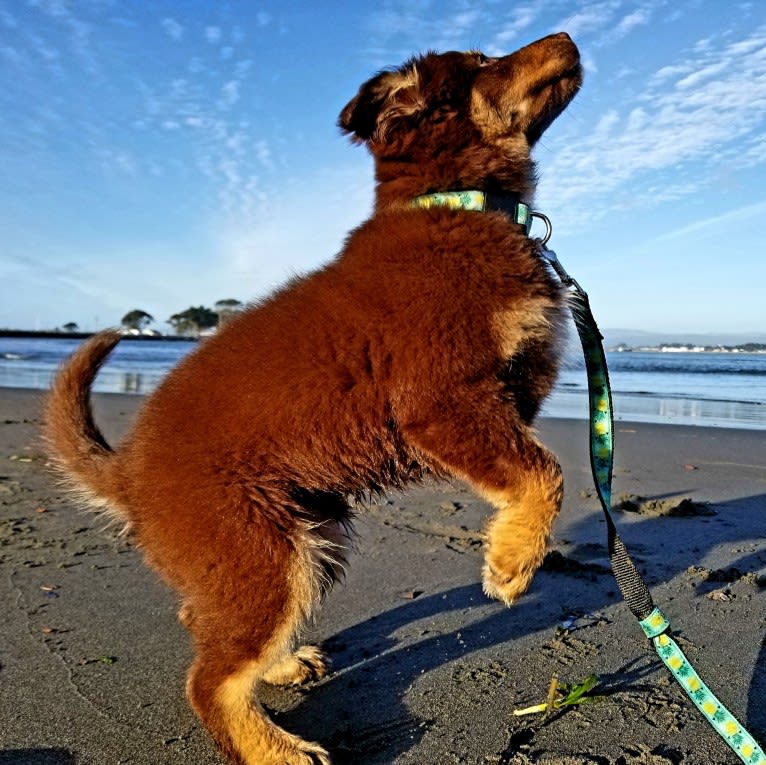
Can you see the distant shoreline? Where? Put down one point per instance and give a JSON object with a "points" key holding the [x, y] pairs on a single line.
{"points": [[752, 348], [53, 335]]}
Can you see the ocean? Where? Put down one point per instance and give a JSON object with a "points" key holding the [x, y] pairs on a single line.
{"points": [[713, 389]]}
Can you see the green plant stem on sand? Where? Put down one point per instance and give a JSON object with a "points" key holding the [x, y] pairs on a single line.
{"points": [[565, 695]]}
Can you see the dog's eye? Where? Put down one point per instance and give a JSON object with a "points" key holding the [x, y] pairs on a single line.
{"points": [[484, 60]]}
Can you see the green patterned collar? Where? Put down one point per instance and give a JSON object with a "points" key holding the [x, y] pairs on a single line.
{"points": [[479, 201]]}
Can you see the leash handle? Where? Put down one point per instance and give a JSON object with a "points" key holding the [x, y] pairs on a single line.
{"points": [[632, 585]]}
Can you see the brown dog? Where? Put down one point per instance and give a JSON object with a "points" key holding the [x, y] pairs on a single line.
{"points": [[428, 344]]}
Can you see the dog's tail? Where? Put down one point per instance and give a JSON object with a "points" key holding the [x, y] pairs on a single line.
{"points": [[78, 450]]}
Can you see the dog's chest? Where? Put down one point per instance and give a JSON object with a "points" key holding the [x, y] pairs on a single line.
{"points": [[532, 323]]}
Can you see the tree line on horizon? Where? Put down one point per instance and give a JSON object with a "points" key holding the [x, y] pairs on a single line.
{"points": [[193, 321]]}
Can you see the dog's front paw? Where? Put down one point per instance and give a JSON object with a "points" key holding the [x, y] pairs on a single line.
{"points": [[509, 585]]}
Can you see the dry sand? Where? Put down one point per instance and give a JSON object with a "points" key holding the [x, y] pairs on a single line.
{"points": [[426, 670]]}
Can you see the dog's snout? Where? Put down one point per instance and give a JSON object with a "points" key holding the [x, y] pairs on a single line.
{"points": [[565, 44]]}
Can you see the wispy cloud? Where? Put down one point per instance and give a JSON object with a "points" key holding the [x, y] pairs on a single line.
{"points": [[729, 218], [79, 30], [692, 116], [118, 161], [509, 32], [203, 109], [637, 18], [7, 19], [213, 35], [46, 53], [11, 55], [609, 21], [399, 28], [229, 94], [590, 17], [190, 118], [271, 247], [173, 28]]}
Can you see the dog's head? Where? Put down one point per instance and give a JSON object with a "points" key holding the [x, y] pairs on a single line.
{"points": [[464, 111]]}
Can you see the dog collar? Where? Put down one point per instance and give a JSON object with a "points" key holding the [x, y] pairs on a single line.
{"points": [[479, 201]]}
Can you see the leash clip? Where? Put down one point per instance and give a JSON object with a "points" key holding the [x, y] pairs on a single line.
{"points": [[553, 261], [551, 257]]}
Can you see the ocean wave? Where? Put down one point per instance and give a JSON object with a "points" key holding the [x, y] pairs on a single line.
{"points": [[568, 388]]}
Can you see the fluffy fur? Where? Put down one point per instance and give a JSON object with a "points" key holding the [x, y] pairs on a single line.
{"points": [[427, 345]]}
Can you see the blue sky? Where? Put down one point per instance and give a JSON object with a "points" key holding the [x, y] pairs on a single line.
{"points": [[158, 155]]}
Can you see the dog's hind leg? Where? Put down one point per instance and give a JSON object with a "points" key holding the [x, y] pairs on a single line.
{"points": [[221, 691], [475, 434], [243, 630], [327, 542]]}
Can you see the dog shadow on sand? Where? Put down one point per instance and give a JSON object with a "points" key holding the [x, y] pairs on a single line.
{"points": [[359, 711], [54, 756]]}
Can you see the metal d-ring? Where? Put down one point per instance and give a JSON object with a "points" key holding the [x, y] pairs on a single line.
{"points": [[548, 226]]}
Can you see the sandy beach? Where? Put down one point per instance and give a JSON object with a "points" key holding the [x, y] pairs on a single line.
{"points": [[426, 670]]}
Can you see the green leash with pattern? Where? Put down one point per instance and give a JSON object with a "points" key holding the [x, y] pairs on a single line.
{"points": [[653, 622], [637, 596]]}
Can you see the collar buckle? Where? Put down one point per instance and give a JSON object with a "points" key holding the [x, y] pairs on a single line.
{"points": [[482, 201]]}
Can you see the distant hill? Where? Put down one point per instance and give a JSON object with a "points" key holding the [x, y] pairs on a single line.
{"points": [[637, 337]]}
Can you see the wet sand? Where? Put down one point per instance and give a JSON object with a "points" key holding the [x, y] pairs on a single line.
{"points": [[426, 670]]}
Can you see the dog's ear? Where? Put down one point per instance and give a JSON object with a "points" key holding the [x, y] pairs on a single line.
{"points": [[381, 103]]}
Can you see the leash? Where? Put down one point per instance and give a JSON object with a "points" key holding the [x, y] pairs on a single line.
{"points": [[653, 622]]}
